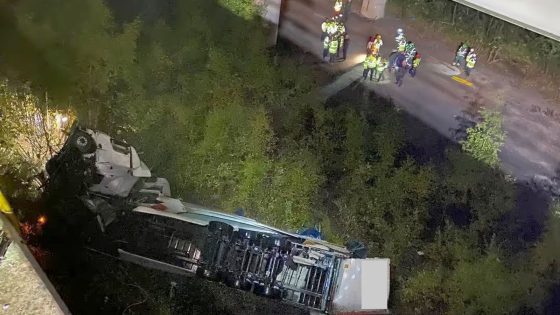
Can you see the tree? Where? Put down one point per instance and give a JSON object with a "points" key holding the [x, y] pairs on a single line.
{"points": [[485, 140], [486, 286], [542, 265], [482, 191], [30, 133], [85, 50], [383, 198], [429, 292]]}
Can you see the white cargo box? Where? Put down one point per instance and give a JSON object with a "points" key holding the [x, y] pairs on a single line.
{"points": [[362, 286]]}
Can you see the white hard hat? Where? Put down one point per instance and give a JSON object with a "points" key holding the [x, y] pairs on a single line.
{"points": [[400, 31]]}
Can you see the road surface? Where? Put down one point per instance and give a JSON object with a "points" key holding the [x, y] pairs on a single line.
{"points": [[435, 95]]}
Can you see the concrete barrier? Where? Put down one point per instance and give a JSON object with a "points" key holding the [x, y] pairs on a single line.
{"points": [[24, 287]]}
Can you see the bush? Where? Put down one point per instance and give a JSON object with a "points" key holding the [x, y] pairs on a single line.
{"points": [[485, 140]]}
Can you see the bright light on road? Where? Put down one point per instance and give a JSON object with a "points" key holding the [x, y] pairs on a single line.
{"points": [[359, 58]]}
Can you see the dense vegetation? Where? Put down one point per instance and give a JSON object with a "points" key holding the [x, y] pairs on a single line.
{"points": [[232, 123]]}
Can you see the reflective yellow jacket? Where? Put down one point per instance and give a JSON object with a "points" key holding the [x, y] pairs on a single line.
{"points": [[6, 210]]}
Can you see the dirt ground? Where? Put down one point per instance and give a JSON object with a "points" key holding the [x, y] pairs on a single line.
{"points": [[441, 95]]}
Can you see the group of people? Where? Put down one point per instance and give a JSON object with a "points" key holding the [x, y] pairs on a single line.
{"points": [[335, 39], [374, 64], [404, 57], [465, 57]]}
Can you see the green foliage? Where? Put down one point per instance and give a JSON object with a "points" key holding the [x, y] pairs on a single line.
{"points": [[30, 134], [483, 190], [429, 292], [541, 271], [244, 8], [80, 43], [486, 286], [199, 95], [486, 138], [547, 258], [383, 203], [471, 284]]}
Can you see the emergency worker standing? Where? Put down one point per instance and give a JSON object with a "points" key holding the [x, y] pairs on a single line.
{"points": [[377, 43], [324, 26], [470, 62], [333, 49], [369, 66], [400, 64], [326, 44], [380, 68], [415, 64], [460, 54], [340, 30], [345, 46], [400, 39], [346, 10]]}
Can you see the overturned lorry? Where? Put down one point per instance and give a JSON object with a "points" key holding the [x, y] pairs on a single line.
{"points": [[168, 234]]}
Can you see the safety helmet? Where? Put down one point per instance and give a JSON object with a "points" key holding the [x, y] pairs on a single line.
{"points": [[472, 50], [400, 31], [378, 36]]}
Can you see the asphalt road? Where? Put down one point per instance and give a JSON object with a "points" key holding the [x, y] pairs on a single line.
{"points": [[532, 148]]}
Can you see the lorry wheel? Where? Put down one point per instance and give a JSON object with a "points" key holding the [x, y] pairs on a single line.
{"points": [[266, 291], [276, 241], [83, 142]]}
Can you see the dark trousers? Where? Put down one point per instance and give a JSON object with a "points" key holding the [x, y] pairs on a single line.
{"points": [[459, 60], [400, 75], [345, 48], [468, 71], [379, 75], [333, 58], [366, 71], [392, 59], [338, 48], [325, 52]]}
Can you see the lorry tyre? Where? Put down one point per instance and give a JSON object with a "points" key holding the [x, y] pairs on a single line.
{"points": [[267, 291], [83, 142], [237, 282]]}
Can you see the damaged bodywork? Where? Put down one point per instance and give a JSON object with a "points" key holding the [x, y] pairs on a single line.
{"points": [[168, 234]]}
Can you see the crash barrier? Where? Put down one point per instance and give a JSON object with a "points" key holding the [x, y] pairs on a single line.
{"points": [[24, 287]]}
